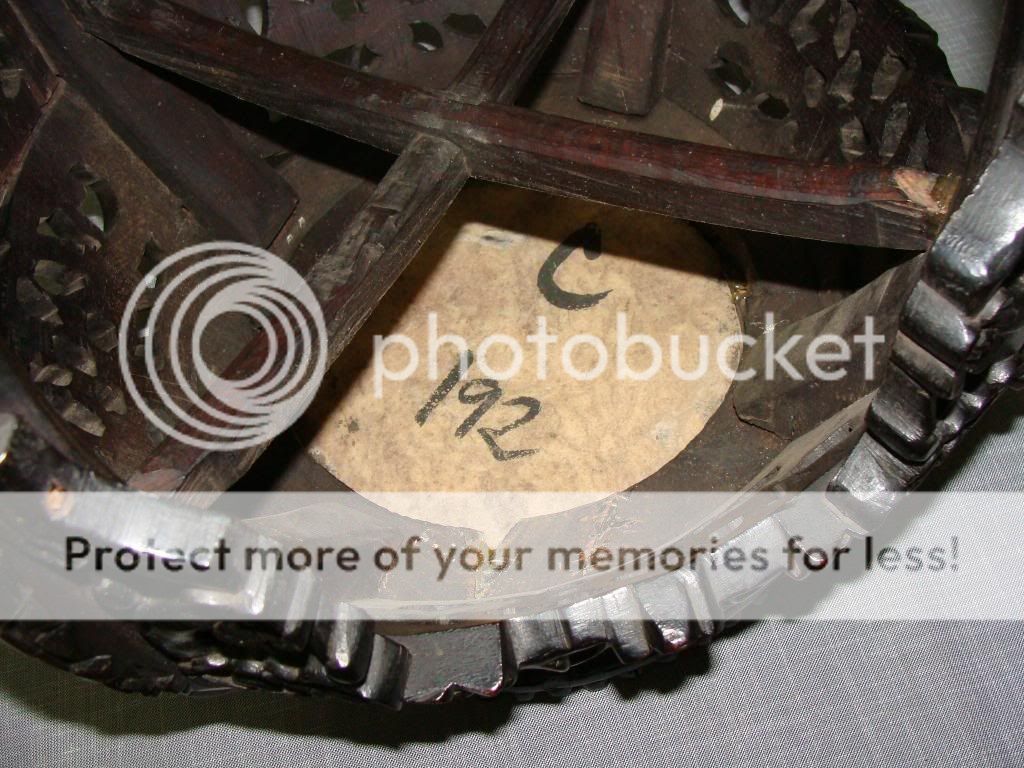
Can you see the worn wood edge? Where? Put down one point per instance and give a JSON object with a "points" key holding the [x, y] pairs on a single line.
{"points": [[856, 204]]}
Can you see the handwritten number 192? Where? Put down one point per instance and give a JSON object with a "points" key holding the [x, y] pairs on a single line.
{"points": [[484, 394]]}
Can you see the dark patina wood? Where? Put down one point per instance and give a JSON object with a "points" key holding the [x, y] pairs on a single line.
{"points": [[865, 205], [510, 51], [349, 280], [27, 86], [625, 55], [352, 276], [184, 141]]}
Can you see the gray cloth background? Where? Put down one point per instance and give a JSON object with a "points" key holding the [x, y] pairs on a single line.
{"points": [[770, 694]]}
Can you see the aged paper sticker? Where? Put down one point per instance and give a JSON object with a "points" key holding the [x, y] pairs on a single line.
{"points": [[502, 262]]}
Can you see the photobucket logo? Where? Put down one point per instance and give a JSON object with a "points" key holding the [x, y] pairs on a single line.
{"points": [[825, 357], [191, 290]]}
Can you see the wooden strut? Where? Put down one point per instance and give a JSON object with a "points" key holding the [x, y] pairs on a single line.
{"points": [[193, 138], [625, 55], [856, 204], [351, 278], [444, 138]]}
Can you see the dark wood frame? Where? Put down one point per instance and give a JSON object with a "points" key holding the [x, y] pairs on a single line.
{"points": [[470, 130]]}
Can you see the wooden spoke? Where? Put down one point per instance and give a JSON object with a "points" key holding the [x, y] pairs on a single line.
{"points": [[510, 50], [352, 276], [625, 55], [865, 205], [185, 143], [349, 280]]}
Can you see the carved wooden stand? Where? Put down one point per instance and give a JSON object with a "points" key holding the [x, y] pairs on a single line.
{"points": [[861, 144]]}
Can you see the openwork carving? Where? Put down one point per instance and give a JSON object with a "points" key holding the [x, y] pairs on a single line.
{"points": [[820, 80]]}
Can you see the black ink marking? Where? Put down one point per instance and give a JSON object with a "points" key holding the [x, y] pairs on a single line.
{"points": [[484, 394], [445, 387], [491, 436], [485, 400], [587, 238]]}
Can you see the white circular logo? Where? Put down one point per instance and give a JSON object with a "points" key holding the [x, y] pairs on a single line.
{"points": [[204, 283]]}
